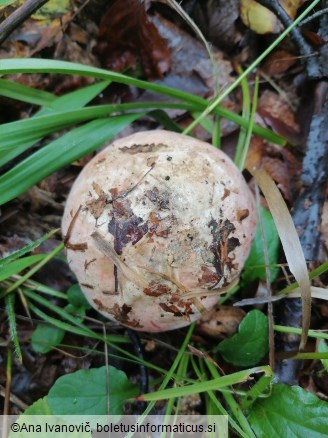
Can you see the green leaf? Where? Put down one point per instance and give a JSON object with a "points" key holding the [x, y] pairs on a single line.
{"points": [[59, 153], [254, 268], [45, 337], [323, 348], [40, 407], [289, 412], [76, 297], [250, 344], [85, 392], [18, 265]]}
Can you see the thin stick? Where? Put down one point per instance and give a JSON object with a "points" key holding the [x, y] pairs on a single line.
{"points": [[18, 17], [296, 35]]}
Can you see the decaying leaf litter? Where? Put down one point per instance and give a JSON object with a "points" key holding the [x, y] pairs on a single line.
{"points": [[292, 101]]}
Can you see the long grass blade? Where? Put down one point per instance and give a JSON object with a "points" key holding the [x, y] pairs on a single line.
{"points": [[20, 92], [59, 153], [33, 270], [209, 385], [22, 139], [28, 248], [246, 110], [35, 65], [19, 265]]}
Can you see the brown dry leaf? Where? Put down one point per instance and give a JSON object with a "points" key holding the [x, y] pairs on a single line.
{"points": [[313, 38], [261, 154], [52, 32], [277, 113], [279, 172], [127, 36], [261, 20], [177, 8], [278, 62], [290, 243], [192, 71], [256, 151]]}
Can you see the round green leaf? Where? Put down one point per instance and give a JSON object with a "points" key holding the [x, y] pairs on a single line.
{"points": [[250, 344], [85, 392], [76, 297], [289, 412], [45, 337]]}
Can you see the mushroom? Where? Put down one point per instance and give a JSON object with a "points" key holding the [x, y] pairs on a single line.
{"points": [[156, 226]]}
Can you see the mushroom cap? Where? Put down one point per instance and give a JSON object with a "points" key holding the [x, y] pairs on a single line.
{"points": [[156, 225]]}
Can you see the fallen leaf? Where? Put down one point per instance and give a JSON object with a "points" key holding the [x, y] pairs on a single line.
{"points": [[279, 172], [127, 36], [278, 62], [261, 20], [276, 111]]}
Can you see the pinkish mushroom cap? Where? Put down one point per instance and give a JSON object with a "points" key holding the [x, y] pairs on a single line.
{"points": [[156, 225]]}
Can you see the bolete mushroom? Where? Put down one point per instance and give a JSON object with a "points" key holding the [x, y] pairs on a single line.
{"points": [[155, 226]]}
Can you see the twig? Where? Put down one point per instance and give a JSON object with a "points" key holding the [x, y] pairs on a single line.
{"points": [[314, 16], [313, 67], [18, 17], [14, 399]]}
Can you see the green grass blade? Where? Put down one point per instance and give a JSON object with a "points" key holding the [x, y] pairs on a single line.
{"points": [[14, 133], [58, 310], [244, 150], [22, 139], [162, 117], [28, 248], [263, 385], [216, 402], [298, 331], [17, 137], [10, 308], [170, 373], [82, 331], [19, 265], [39, 287], [26, 94], [233, 405], [38, 65], [75, 99], [59, 153], [46, 124], [34, 65], [33, 270], [209, 385], [246, 110]]}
